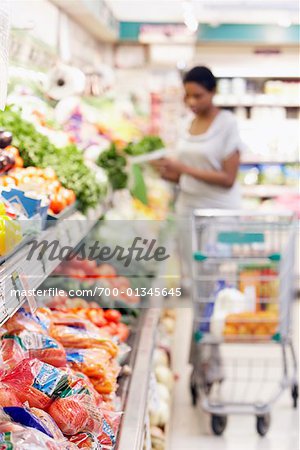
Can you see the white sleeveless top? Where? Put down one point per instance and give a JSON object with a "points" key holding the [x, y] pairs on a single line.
{"points": [[207, 151]]}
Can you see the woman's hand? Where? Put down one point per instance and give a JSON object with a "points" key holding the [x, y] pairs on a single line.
{"points": [[169, 169], [171, 165]]}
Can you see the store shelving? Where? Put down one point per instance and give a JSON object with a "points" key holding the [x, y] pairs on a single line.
{"points": [[255, 100], [268, 191], [256, 161], [133, 424], [25, 273]]}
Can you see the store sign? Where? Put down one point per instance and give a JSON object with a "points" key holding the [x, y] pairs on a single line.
{"points": [[176, 33]]}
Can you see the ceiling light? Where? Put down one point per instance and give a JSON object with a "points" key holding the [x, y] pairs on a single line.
{"points": [[189, 17]]}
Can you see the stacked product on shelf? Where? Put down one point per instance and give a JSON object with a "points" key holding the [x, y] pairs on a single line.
{"points": [[59, 373]]}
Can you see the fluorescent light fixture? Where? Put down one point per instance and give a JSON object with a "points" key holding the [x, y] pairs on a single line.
{"points": [[189, 17]]}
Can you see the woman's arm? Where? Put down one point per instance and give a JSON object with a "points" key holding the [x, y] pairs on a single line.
{"points": [[225, 177]]}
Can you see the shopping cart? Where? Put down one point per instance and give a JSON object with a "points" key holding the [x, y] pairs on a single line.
{"points": [[243, 289]]}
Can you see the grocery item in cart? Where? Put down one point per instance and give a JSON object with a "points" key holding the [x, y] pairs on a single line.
{"points": [[24, 344], [264, 280], [261, 324], [228, 301], [209, 307]]}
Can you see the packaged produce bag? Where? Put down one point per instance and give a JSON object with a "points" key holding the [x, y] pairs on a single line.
{"points": [[24, 344]]}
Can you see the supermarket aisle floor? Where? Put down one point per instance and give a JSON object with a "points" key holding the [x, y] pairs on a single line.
{"points": [[190, 429]]}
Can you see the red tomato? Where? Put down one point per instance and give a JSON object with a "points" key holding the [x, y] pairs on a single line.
{"points": [[112, 315], [106, 270], [97, 317], [68, 195], [123, 332], [57, 203]]}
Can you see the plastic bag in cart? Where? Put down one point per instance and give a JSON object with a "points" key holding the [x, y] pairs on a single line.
{"points": [[24, 344]]}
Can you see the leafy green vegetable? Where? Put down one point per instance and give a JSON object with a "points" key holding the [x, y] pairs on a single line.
{"points": [[114, 164], [146, 145], [68, 163]]}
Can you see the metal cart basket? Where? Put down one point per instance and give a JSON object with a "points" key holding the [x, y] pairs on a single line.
{"points": [[243, 289]]}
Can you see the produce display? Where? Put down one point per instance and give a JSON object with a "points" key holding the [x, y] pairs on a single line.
{"points": [[67, 162], [60, 366], [115, 166], [43, 182], [146, 145], [105, 275], [10, 231], [59, 376]]}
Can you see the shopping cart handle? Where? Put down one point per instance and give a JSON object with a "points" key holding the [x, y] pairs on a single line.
{"points": [[199, 256], [275, 257]]}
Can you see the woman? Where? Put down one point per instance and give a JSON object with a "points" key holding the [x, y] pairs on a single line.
{"points": [[208, 152], [206, 166], [207, 157]]}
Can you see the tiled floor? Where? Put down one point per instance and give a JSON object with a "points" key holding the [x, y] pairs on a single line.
{"points": [[190, 428]]}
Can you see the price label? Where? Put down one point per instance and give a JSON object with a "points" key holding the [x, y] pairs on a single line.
{"points": [[3, 309], [21, 286]]}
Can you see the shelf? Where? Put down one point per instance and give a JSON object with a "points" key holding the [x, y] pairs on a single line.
{"points": [[94, 16], [257, 161], [255, 100], [268, 191], [24, 273], [131, 434]]}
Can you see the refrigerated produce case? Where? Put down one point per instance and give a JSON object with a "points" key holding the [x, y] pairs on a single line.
{"points": [[20, 273]]}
